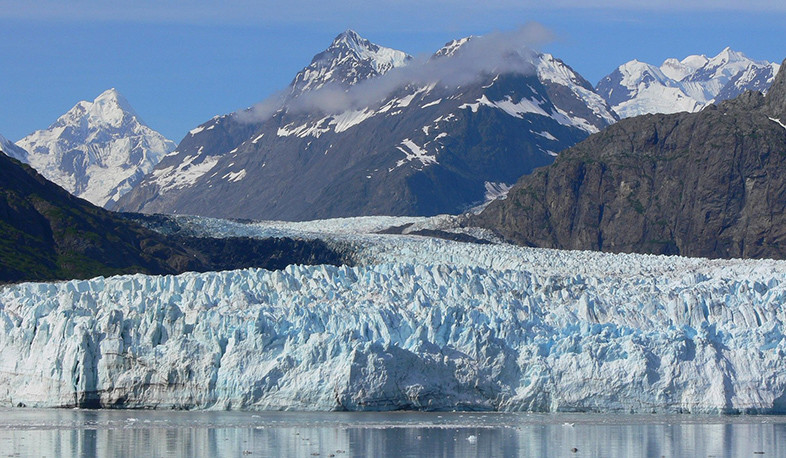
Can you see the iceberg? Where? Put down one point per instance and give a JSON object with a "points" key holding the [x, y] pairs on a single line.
{"points": [[418, 323]]}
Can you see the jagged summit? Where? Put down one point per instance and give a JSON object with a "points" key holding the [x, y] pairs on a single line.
{"points": [[718, 70], [381, 58], [690, 84], [696, 61], [110, 101], [113, 97], [452, 46], [110, 109], [348, 60], [351, 39], [97, 150], [728, 55]]}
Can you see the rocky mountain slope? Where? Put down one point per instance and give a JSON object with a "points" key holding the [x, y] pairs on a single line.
{"points": [[98, 150], [636, 88], [366, 130], [705, 184], [48, 234]]}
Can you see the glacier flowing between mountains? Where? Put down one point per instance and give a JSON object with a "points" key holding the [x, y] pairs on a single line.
{"points": [[419, 323]]}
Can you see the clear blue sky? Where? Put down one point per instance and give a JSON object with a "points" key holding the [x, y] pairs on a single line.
{"points": [[181, 62]]}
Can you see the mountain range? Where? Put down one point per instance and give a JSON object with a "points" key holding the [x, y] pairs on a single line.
{"points": [[367, 130], [705, 184], [696, 81], [98, 150]]}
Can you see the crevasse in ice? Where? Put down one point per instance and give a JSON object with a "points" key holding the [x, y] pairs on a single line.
{"points": [[419, 324]]}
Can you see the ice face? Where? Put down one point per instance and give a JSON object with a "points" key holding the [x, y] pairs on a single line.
{"points": [[419, 324]]}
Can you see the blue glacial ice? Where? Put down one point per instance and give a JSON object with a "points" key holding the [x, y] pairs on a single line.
{"points": [[419, 323]]}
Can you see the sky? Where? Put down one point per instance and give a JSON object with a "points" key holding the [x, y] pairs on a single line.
{"points": [[181, 62]]}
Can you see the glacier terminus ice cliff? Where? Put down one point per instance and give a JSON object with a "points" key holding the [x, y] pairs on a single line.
{"points": [[418, 323]]}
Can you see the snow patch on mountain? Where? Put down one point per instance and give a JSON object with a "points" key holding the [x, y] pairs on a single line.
{"points": [[185, 173], [315, 129], [523, 106], [98, 150], [494, 191], [567, 119], [546, 135], [234, 177], [527, 106], [349, 119], [413, 152], [483, 100]]}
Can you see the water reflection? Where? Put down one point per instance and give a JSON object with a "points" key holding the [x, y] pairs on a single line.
{"points": [[219, 434]]}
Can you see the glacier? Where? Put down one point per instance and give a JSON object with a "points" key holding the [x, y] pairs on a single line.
{"points": [[418, 323]]}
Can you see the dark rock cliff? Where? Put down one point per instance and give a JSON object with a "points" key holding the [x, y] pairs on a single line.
{"points": [[709, 184]]}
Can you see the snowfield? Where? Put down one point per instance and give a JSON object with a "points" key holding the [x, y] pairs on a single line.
{"points": [[419, 323]]}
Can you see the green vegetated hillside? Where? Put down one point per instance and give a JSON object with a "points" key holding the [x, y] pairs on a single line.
{"points": [[48, 234]]}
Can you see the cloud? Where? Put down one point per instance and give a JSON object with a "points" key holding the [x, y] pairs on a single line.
{"points": [[258, 12], [497, 52]]}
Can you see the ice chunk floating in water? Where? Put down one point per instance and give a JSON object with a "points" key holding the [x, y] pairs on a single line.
{"points": [[420, 324]]}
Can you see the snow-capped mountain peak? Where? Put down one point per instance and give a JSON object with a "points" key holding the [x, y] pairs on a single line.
{"points": [[676, 69], [728, 55], [645, 84], [381, 58], [695, 61], [111, 98], [111, 107], [584, 108], [689, 84], [347, 61], [635, 73], [452, 46], [724, 66], [97, 150]]}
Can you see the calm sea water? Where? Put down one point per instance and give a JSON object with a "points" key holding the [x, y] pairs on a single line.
{"points": [[51, 433]]}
